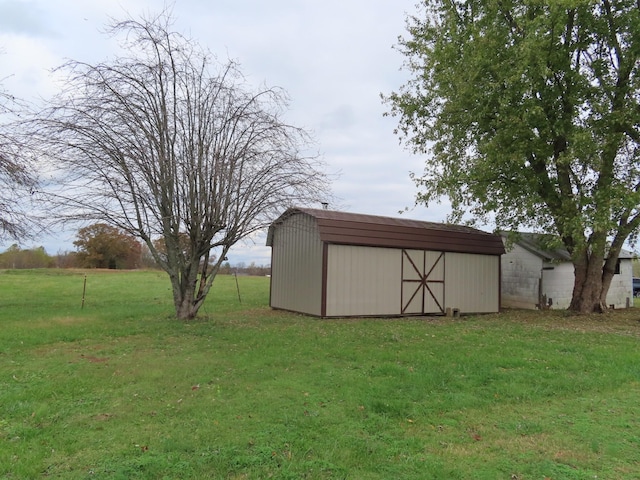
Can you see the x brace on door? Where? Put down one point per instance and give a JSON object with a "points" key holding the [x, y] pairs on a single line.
{"points": [[429, 282]]}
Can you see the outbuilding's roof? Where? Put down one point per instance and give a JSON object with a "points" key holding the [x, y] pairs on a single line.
{"points": [[547, 246], [375, 231]]}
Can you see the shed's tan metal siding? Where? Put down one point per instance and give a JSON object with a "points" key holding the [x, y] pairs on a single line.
{"points": [[362, 281], [296, 266], [472, 283]]}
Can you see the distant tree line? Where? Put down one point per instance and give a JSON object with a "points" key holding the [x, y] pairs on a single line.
{"points": [[103, 246], [15, 257], [243, 269]]}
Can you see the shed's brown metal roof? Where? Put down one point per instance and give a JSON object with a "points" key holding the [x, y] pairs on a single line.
{"points": [[375, 231]]}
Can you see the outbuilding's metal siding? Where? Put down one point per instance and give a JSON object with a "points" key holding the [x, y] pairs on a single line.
{"points": [[365, 281], [362, 281], [472, 282], [296, 266]]}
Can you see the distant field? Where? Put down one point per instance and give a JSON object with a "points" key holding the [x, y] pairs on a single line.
{"points": [[118, 389]]}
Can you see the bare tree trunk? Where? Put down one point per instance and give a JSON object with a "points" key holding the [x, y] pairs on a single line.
{"points": [[183, 287], [185, 310], [191, 286]]}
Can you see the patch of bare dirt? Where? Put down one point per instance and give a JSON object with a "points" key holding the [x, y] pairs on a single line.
{"points": [[93, 359]]}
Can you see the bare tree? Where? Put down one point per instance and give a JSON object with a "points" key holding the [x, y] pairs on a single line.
{"points": [[159, 145], [17, 176]]}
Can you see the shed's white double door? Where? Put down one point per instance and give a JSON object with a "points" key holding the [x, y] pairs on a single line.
{"points": [[422, 282]]}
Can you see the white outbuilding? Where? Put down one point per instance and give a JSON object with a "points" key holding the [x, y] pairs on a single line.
{"points": [[337, 264], [537, 275]]}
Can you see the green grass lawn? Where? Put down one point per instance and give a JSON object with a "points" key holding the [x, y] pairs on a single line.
{"points": [[118, 389]]}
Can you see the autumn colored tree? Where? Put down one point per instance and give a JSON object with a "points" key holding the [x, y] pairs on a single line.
{"points": [[103, 246], [529, 114]]}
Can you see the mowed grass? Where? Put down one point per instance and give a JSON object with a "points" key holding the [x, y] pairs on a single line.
{"points": [[121, 390]]}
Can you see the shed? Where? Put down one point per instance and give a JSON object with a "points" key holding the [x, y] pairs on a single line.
{"points": [[535, 274], [337, 264]]}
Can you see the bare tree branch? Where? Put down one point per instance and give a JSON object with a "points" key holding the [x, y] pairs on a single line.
{"points": [[18, 179], [158, 145]]}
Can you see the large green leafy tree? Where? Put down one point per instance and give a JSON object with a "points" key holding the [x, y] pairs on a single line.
{"points": [[529, 112]]}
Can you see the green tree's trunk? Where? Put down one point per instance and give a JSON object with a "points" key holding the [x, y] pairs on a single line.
{"points": [[587, 290], [593, 275]]}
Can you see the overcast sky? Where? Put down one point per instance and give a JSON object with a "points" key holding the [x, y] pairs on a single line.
{"points": [[333, 57]]}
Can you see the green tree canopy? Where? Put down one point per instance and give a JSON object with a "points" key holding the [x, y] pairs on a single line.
{"points": [[529, 112]]}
